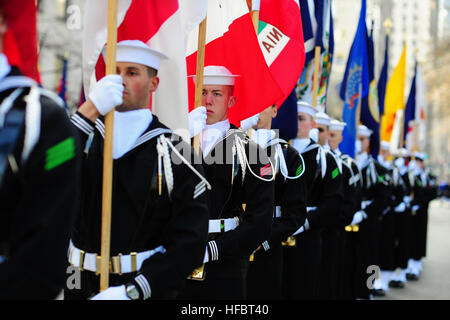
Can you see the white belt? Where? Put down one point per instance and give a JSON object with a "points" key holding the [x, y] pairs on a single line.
{"points": [[118, 264], [308, 209], [277, 212], [223, 225], [365, 204]]}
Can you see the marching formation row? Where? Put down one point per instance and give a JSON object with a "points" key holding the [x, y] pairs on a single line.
{"points": [[257, 218]]}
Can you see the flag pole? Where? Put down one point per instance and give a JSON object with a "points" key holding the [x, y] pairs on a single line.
{"points": [[107, 155], [316, 76], [402, 128], [253, 6], [199, 74]]}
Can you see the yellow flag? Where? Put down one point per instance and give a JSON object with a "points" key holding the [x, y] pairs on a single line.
{"points": [[395, 97]]}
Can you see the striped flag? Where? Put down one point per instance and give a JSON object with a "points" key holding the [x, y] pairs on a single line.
{"points": [[231, 42], [163, 26], [394, 100], [318, 31], [21, 39], [280, 37]]}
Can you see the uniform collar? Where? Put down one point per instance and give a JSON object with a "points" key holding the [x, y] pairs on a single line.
{"points": [[212, 134], [128, 127], [301, 144], [362, 159], [337, 151], [262, 137]]}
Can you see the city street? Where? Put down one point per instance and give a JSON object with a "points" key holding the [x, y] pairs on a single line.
{"points": [[434, 282]]}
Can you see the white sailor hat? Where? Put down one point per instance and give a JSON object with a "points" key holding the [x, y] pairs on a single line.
{"points": [[336, 125], [384, 145], [364, 131], [404, 152], [136, 51], [305, 107], [419, 156], [322, 118], [217, 75]]}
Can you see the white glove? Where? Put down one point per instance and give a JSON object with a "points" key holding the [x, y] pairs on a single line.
{"points": [[400, 208], [407, 199], [249, 122], [399, 162], [415, 207], [358, 217], [112, 293], [197, 120], [107, 93]]}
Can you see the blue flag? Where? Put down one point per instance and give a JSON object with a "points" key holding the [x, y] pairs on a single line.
{"points": [[382, 81], [62, 88], [355, 84], [370, 113], [410, 110], [286, 119], [309, 26]]}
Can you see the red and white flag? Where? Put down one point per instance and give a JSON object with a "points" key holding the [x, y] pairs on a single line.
{"points": [[280, 36], [231, 42], [163, 25], [21, 39]]}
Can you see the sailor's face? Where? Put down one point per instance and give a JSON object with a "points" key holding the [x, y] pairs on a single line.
{"points": [[217, 100], [334, 138], [265, 118], [323, 133], [365, 143], [385, 154], [305, 124], [138, 85]]}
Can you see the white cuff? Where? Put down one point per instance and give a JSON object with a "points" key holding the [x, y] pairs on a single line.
{"points": [[213, 252], [144, 285], [206, 257], [81, 124], [400, 208]]}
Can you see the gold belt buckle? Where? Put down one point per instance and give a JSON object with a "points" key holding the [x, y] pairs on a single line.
{"points": [[133, 262], [198, 273], [98, 261], [82, 253], [290, 242], [115, 264]]}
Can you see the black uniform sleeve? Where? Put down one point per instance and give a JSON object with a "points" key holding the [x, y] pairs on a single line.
{"points": [[255, 224], [293, 199], [84, 127], [349, 205], [184, 237], [379, 193], [45, 201], [328, 211]]}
